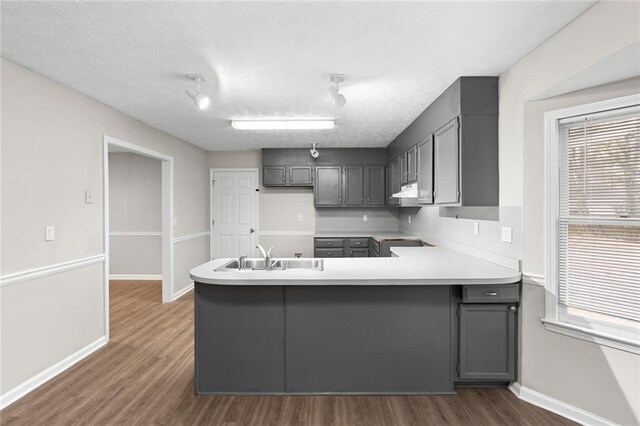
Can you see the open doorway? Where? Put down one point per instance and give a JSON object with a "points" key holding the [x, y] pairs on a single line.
{"points": [[138, 229]]}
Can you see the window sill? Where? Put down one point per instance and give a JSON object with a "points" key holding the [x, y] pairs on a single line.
{"points": [[598, 337]]}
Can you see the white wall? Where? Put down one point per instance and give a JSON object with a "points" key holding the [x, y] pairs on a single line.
{"points": [[597, 379], [134, 210], [52, 143]]}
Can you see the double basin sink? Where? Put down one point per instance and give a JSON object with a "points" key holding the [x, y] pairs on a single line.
{"points": [[276, 265]]}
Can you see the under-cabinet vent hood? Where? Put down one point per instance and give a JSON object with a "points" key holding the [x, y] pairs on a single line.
{"points": [[407, 191], [408, 195]]}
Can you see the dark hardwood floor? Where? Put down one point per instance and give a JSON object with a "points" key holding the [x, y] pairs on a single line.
{"points": [[144, 375]]}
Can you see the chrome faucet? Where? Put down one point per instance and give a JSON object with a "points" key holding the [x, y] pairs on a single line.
{"points": [[241, 262], [267, 256]]}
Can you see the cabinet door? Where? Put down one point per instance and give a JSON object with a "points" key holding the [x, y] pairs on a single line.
{"points": [[328, 186], [353, 252], [300, 175], [396, 183], [425, 172], [274, 176], [412, 164], [375, 185], [388, 170], [404, 173], [446, 144], [487, 347], [354, 185]]}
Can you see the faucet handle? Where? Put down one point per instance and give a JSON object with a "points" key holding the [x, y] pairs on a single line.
{"points": [[269, 252]]}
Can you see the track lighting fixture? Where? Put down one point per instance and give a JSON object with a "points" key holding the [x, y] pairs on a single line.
{"points": [[334, 90], [313, 151], [199, 98]]}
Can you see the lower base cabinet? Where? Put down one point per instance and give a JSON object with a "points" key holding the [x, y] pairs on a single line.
{"points": [[487, 342]]}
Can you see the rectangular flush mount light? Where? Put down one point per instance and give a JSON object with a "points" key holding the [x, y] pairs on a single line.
{"points": [[282, 124]]}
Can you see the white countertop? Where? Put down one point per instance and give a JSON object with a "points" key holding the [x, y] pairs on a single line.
{"points": [[376, 235], [414, 266]]}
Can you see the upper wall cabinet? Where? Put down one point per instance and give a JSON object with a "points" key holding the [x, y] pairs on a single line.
{"points": [[447, 161], [354, 185], [425, 174], [287, 176], [328, 187], [463, 125], [374, 185]]}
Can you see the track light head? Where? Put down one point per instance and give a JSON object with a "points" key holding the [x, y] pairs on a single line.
{"points": [[199, 98], [334, 90], [313, 151]]}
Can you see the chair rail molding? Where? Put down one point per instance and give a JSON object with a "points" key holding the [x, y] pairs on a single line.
{"points": [[43, 271], [191, 237]]}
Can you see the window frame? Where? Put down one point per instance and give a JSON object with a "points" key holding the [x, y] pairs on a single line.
{"points": [[555, 320]]}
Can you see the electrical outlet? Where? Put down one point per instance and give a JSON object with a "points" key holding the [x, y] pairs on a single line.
{"points": [[409, 219], [476, 228], [299, 218], [88, 197], [364, 218], [506, 234], [49, 233]]}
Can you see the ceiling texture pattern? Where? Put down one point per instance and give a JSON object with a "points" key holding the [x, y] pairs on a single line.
{"points": [[272, 60]]}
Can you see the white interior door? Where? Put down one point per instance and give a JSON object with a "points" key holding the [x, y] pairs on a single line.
{"points": [[234, 212]]}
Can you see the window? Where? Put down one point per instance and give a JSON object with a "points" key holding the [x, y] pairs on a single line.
{"points": [[593, 222]]}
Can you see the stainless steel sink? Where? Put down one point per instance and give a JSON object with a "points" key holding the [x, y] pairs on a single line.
{"points": [[277, 265]]}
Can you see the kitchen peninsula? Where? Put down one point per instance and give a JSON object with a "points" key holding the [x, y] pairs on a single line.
{"points": [[418, 323]]}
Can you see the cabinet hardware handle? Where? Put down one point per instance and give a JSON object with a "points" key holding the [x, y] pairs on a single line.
{"points": [[329, 254], [490, 293], [513, 309], [329, 244]]}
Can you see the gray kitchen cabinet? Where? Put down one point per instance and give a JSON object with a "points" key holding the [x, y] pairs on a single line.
{"points": [[396, 178], [465, 163], [487, 342], [274, 176], [354, 185], [328, 186], [404, 173], [375, 185], [300, 175], [354, 252], [446, 145], [388, 171], [412, 164], [425, 172]]}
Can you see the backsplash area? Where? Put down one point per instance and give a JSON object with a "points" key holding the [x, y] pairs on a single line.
{"points": [[439, 224], [351, 220]]}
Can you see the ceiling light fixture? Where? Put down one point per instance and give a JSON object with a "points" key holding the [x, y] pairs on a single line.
{"points": [[334, 90], [313, 151], [199, 98], [283, 124]]}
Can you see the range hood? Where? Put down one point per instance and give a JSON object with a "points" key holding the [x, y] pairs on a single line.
{"points": [[408, 195], [407, 191]]}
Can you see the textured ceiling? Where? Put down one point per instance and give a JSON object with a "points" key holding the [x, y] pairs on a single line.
{"points": [[273, 59]]}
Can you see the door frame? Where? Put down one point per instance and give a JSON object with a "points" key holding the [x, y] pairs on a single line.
{"points": [[167, 177], [212, 172]]}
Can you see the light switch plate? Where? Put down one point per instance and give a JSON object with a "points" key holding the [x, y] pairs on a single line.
{"points": [[88, 197], [476, 228], [364, 218], [49, 233], [506, 234]]}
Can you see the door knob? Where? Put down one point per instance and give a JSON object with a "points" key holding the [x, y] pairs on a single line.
{"points": [[251, 231]]}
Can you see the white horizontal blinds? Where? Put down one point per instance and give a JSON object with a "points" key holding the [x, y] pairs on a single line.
{"points": [[599, 220]]}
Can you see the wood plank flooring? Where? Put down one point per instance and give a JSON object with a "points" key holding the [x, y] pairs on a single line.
{"points": [[145, 376]]}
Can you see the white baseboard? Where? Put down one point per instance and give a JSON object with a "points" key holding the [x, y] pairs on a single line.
{"points": [[141, 277], [39, 379], [559, 407], [178, 294]]}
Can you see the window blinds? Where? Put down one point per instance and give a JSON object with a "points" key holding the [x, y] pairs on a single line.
{"points": [[599, 217]]}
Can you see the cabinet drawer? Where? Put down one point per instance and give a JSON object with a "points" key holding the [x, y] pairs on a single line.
{"points": [[491, 293], [359, 242], [356, 252], [329, 252], [329, 243]]}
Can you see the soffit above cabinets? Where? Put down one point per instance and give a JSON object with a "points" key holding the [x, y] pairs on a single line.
{"points": [[269, 60]]}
